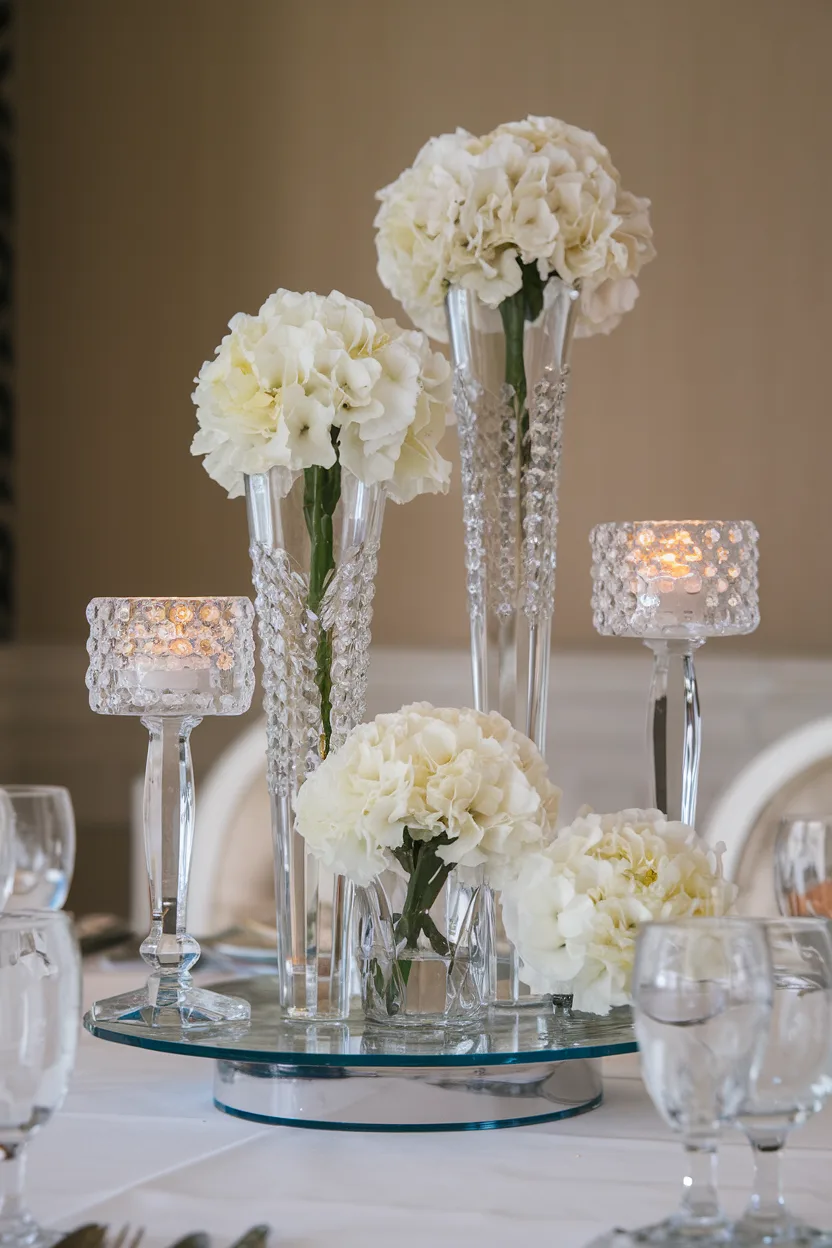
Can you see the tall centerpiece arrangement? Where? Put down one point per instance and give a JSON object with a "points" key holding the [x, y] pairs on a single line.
{"points": [[508, 245], [421, 809], [318, 411]]}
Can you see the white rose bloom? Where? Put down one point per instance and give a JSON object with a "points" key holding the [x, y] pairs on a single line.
{"points": [[541, 191], [468, 776], [574, 908], [310, 380]]}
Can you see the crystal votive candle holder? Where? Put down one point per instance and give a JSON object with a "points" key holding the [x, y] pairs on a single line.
{"points": [[674, 584], [170, 661]]}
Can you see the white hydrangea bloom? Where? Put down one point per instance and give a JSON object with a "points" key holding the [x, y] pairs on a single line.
{"points": [[309, 372], [574, 908], [433, 771], [537, 190]]}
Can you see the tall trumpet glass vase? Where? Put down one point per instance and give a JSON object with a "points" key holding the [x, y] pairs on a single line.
{"points": [[314, 549], [511, 376], [674, 584], [170, 661]]}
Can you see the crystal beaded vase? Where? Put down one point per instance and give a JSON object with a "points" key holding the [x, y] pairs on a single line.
{"points": [[170, 661], [314, 547], [511, 375], [424, 965]]}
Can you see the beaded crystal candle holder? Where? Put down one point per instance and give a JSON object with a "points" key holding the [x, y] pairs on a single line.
{"points": [[170, 661], [675, 583]]}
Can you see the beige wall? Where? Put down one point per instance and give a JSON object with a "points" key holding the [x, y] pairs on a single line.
{"points": [[179, 159]]}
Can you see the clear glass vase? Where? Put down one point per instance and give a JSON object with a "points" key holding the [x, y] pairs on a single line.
{"points": [[314, 547], [511, 376], [424, 965]]}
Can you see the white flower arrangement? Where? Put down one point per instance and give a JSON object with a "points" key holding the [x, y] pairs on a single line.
{"points": [[574, 908], [502, 213], [463, 787], [310, 381]]}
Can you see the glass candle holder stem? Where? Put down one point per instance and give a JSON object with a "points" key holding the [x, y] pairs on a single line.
{"points": [[170, 662], [674, 728], [169, 831]]}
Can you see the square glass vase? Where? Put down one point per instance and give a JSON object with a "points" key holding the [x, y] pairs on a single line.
{"points": [[424, 967]]}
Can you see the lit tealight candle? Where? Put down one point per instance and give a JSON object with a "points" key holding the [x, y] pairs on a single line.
{"points": [[694, 578], [172, 653]]}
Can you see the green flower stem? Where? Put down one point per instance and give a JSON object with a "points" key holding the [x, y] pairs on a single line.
{"points": [[512, 310], [321, 492], [428, 875], [525, 305]]}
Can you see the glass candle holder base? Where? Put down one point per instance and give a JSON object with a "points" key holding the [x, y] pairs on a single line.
{"points": [[174, 1005]]}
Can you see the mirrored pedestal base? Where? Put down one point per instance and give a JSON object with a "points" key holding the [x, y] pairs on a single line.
{"points": [[515, 1068], [414, 1099]]}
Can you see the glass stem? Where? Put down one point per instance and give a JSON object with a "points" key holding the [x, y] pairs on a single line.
{"points": [[169, 831], [675, 729], [767, 1200], [700, 1201], [13, 1213]]}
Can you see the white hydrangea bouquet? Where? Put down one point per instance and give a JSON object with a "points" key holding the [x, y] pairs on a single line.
{"points": [[314, 383], [504, 213], [419, 809], [321, 386], [575, 905]]}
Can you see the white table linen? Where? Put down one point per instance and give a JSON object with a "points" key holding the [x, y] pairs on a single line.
{"points": [[139, 1141]]}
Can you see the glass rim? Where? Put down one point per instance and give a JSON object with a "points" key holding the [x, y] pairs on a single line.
{"points": [[171, 598], [807, 921], [700, 921], [34, 790], [27, 920], [639, 524], [786, 821]]}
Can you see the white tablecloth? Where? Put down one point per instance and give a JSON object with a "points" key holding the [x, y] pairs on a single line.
{"points": [[139, 1141]]}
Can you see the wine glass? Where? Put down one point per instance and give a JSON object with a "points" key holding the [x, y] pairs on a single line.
{"points": [[796, 1075], [803, 865], [40, 1006], [702, 997], [44, 828]]}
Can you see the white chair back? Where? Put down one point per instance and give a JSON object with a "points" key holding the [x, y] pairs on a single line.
{"points": [[792, 776]]}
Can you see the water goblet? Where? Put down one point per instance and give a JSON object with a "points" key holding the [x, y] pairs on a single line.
{"points": [[796, 1075], [40, 1006], [702, 999], [170, 661], [803, 865], [44, 830]]}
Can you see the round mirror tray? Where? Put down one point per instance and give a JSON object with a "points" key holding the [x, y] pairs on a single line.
{"points": [[515, 1068]]}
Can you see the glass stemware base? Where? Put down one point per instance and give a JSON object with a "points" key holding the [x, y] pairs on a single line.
{"points": [[27, 1234], [671, 1233], [24, 1232], [755, 1232], [172, 1003], [748, 1232]]}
